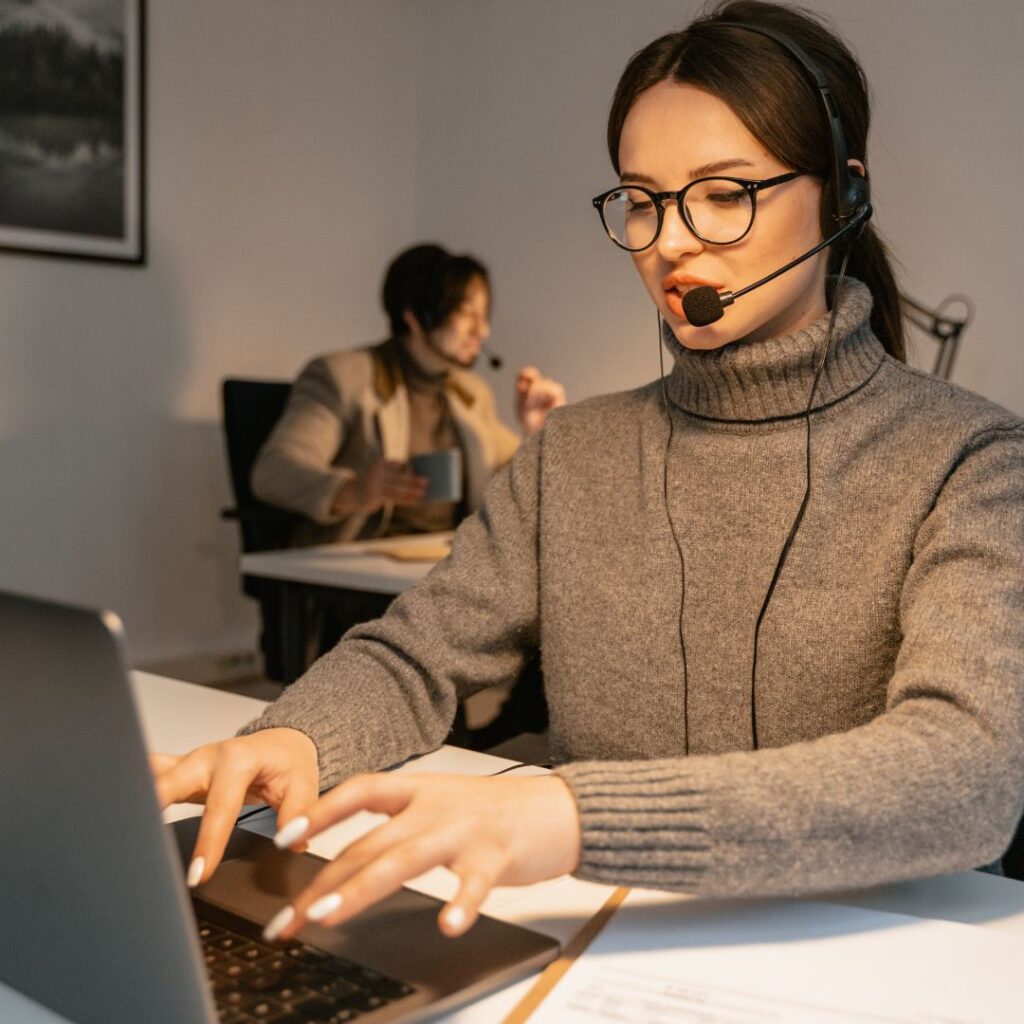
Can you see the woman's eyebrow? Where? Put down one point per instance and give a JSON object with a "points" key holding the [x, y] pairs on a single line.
{"points": [[697, 172]]}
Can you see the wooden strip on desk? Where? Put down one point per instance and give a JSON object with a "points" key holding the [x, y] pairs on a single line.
{"points": [[426, 552], [553, 973]]}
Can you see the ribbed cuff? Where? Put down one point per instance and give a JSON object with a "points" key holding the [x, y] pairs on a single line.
{"points": [[273, 718], [642, 825]]}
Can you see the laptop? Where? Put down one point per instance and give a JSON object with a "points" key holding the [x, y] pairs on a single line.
{"points": [[98, 924]]}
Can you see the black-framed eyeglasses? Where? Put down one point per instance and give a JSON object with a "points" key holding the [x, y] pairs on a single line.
{"points": [[717, 210]]}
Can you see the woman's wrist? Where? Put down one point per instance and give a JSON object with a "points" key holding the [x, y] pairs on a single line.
{"points": [[565, 817], [348, 498]]}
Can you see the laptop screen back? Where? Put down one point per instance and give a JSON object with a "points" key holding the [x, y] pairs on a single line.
{"points": [[97, 924]]}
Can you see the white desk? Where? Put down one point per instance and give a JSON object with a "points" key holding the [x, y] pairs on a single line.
{"points": [[362, 566], [178, 716]]}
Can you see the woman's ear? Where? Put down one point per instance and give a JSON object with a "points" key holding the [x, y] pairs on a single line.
{"points": [[858, 167], [412, 323]]}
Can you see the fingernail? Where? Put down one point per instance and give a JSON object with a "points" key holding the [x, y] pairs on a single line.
{"points": [[295, 829], [324, 906], [278, 923], [455, 917], [195, 872]]}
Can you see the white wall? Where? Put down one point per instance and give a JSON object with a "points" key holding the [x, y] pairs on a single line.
{"points": [[282, 171], [294, 145], [519, 100]]}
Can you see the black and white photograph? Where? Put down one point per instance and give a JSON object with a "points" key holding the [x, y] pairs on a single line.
{"points": [[71, 160]]}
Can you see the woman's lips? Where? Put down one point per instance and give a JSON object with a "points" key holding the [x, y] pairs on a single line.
{"points": [[674, 296], [674, 301]]}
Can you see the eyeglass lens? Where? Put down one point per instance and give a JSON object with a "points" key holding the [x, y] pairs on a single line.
{"points": [[717, 209]]}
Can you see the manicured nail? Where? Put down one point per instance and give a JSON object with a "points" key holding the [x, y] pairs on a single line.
{"points": [[325, 905], [278, 923], [195, 872], [455, 918], [295, 829]]}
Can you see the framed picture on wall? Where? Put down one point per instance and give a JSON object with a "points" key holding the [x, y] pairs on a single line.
{"points": [[71, 128]]}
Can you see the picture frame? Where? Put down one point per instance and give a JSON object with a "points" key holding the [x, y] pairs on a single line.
{"points": [[72, 129]]}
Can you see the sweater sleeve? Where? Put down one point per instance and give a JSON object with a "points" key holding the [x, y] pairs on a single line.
{"points": [[933, 784], [389, 689], [294, 468]]}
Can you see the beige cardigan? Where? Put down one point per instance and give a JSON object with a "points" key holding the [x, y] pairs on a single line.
{"points": [[349, 409]]}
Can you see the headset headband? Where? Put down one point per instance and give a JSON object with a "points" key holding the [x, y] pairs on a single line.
{"points": [[850, 191]]}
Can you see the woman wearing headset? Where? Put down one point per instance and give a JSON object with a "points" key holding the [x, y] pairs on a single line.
{"points": [[772, 667]]}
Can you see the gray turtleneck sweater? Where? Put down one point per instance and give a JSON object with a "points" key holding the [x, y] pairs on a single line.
{"points": [[890, 678]]}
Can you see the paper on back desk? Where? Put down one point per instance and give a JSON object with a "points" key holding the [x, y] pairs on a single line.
{"points": [[670, 960]]}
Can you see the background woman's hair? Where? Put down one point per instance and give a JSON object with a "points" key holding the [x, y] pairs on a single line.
{"points": [[765, 87], [431, 283]]}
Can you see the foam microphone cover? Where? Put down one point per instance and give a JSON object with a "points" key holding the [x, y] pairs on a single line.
{"points": [[702, 306]]}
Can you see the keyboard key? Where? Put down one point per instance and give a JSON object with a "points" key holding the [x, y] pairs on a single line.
{"points": [[230, 969], [260, 981], [316, 1008], [288, 1017], [365, 1001], [227, 993], [333, 987], [263, 1009], [276, 963], [392, 989], [300, 975], [287, 993]]}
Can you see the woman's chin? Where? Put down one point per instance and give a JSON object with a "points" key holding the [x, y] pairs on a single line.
{"points": [[700, 339]]}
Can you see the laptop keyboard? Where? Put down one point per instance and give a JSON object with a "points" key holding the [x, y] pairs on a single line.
{"points": [[288, 983]]}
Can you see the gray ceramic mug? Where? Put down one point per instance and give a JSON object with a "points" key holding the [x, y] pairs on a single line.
{"points": [[443, 470]]}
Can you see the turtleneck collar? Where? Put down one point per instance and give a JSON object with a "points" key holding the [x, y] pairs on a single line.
{"points": [[771, 379], [415, 377]]}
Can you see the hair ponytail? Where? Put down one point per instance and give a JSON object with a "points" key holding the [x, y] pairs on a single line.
{"points": [[871, 263]]}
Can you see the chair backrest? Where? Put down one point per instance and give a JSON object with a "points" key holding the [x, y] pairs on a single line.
{"points": [[251, 408], [1013, 859]]}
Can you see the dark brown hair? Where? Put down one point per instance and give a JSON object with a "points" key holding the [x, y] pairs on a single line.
{"points": [[765, 87], [429, 282]]}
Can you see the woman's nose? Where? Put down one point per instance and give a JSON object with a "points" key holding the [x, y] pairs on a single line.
{"points": [[676, 238]]}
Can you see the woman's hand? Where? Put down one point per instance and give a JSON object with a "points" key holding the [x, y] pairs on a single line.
{"points": [[536, 396], [488, 831], [275, 766], [385, 481]]}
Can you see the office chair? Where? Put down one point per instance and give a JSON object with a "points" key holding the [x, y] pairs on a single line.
{"points": [[1013, 859], [250, 410]]}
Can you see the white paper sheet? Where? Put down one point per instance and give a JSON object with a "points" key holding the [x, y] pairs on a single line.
{"points": [[664, 961]]}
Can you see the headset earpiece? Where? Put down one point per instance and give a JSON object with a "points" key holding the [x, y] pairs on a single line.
{"points": [[856, 195]]}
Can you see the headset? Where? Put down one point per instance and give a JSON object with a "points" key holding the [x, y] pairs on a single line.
{"points": [[849, 193], [849, 197]]}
